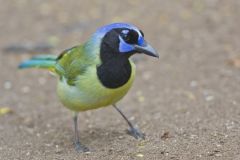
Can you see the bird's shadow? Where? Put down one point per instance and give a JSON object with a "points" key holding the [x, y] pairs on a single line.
{"points": [[101, 134], [92, 137]]}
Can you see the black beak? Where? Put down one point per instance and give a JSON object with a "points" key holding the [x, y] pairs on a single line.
{"points": [[146, 49]]}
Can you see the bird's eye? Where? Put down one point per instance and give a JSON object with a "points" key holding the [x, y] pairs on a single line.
{"points": [[130, 36], [126, 37]]}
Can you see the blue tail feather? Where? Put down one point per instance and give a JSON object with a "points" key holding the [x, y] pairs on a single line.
{"points": [[40, 61]]}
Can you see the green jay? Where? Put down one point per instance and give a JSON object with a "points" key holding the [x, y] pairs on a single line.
{"points": [[97, 73]]}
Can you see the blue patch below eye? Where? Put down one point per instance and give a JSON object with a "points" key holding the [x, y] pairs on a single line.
{"points": [[141, 41], [124, 47]]}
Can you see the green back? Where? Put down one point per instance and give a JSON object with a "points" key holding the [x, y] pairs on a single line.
{"points": [[74, 62]]}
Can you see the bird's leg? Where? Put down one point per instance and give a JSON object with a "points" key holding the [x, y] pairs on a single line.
{"points": [[78, 146], [133, 131]]}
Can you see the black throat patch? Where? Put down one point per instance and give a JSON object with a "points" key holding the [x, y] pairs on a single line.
{"points": [[115, 70]]}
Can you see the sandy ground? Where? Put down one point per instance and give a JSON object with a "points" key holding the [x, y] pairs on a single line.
{"points": [[187, 102]]}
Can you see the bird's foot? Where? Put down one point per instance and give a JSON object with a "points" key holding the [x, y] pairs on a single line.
{"points": [[81, 148], [136, 133]]}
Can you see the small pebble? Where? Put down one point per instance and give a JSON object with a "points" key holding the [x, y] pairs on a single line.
{"points": [[193, 136], [165, 135], [48, 145], [209, 98], [190, 95], [193, 84], [142, 143], [42, 81], [234, 102], [147, 76], [90, 126], [5, 110], [25, 89], [7, 85], [199, 155], [58, 151], [218, 145], [141, 99], [218, 155], [140, 155], [53, 40], [132, 118], [28, 122]]}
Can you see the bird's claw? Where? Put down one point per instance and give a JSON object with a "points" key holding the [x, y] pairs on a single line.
{"points": [[136, 133], [81, 148]]}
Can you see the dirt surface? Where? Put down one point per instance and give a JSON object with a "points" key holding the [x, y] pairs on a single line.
{"points": [[187, 102]]}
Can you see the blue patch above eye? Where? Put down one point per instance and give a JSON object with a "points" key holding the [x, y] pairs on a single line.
{"points": [[124, 47]]}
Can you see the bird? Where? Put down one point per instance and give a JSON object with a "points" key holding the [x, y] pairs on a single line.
{"points": [[97, 73]]}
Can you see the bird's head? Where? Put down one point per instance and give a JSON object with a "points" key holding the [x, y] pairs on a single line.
{"points": [[121, 39]]}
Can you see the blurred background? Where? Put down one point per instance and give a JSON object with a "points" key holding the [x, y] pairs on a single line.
{"points": [[187, 102]]}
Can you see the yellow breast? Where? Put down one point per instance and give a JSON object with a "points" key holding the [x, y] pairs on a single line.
{"points": [[89, 93]]}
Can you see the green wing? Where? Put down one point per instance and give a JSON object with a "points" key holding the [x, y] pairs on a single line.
{"points": [[73, 62]]}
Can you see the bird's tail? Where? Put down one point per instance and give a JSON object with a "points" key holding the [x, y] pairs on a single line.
{"points": [[40, 61]]}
